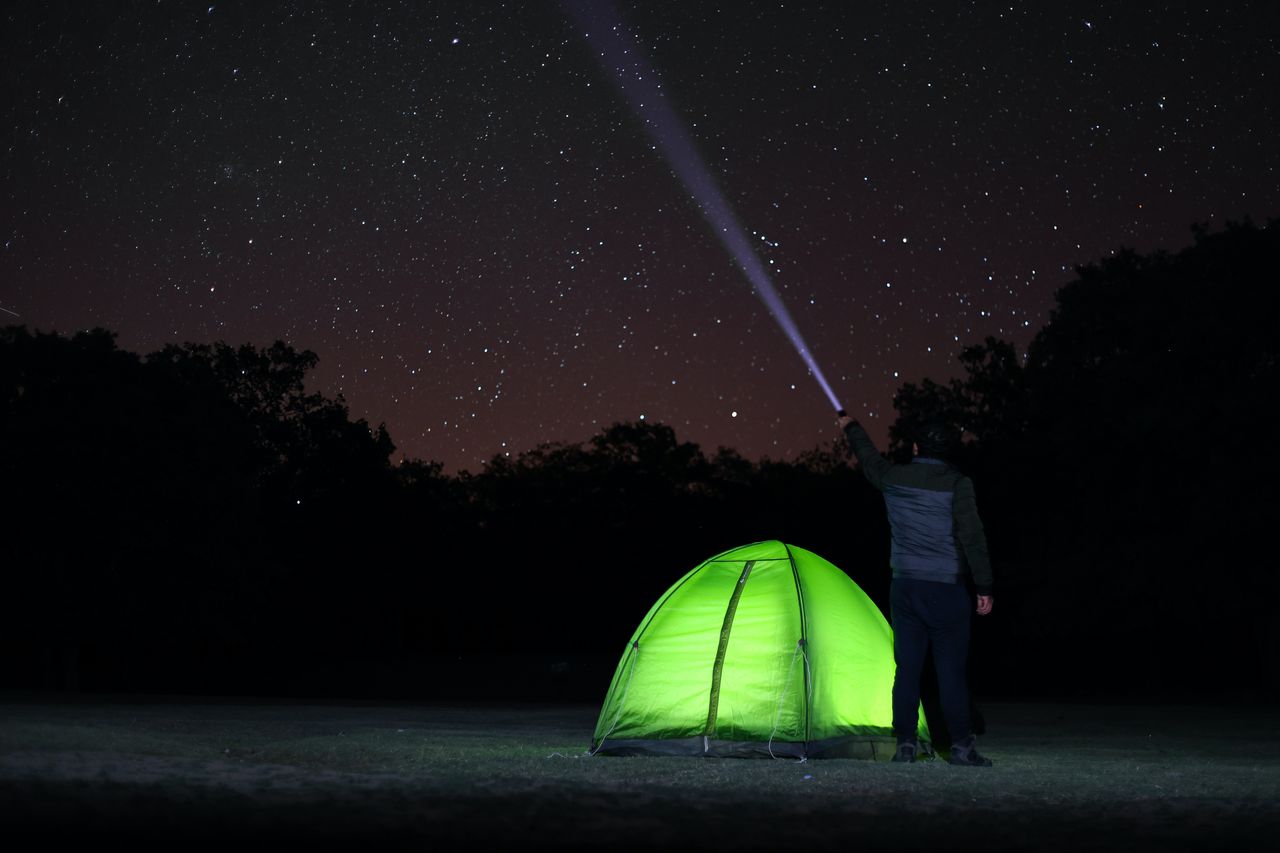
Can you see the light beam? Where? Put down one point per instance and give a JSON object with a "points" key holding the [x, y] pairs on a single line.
{"points": [[622, 55]]}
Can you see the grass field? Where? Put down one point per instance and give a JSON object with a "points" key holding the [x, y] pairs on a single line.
{"points": [[231, 776]]}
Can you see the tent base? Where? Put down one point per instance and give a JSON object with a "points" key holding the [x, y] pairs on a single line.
{"points": [[878, 747]]}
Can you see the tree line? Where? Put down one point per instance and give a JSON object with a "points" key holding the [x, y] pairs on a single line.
{"points": [[193, 520]]}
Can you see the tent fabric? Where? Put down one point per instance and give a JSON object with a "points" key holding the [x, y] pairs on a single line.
{"points": [[763, 650]]}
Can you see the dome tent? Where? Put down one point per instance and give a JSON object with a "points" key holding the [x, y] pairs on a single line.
{"points": [[763, 650]]}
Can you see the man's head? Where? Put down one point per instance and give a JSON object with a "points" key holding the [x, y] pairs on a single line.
{"points": [[936, 440]]}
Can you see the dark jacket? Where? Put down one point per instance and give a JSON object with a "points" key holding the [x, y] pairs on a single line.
{"points": [[933, 516]]}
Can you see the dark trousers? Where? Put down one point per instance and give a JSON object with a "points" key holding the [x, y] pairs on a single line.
{"points": [[927, 614]]}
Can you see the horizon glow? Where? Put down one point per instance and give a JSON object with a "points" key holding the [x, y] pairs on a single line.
{"points": [[622, 55]]}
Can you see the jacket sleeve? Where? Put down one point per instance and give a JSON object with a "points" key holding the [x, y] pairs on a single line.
{"points": [[872, 463], [970, 535]]}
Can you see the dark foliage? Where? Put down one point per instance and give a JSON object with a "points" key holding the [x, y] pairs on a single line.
{"points": [[195, 521], [164, 512], [1126, 467]]}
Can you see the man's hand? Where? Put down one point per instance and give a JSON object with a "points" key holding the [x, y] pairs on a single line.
{"points": [[985, 603], [844, 421]]}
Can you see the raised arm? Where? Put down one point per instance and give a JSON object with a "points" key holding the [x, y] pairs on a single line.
{"points": [[873, 465]]}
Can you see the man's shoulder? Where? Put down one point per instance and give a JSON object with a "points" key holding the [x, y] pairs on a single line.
{"points": [[933, 477], [963, 483]]}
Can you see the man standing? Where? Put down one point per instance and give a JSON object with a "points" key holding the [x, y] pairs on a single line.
{"points": [[936, 536]]}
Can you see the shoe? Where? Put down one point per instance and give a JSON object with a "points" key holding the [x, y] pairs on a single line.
{"points": [[906, 753], [966, 755]]}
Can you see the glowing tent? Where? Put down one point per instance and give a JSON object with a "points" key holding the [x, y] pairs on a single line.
{"points": [[763, 650]]}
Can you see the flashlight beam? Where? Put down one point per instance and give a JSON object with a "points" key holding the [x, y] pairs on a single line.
{"points": [[621, 54]]}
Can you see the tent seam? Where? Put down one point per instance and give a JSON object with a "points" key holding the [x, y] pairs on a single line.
{"points": [[804, 641], [726, 628]]}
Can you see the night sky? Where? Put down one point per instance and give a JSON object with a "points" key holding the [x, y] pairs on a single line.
{"points": [[454, 206]]}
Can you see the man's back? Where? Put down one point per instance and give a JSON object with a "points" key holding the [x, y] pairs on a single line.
{"points": [[933, 516]]}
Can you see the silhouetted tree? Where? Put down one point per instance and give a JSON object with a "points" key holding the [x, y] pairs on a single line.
{"points": [[1120, 468], [159, 497]]}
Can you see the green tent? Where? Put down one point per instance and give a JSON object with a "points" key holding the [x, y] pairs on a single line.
{"points": [[763, 650]]}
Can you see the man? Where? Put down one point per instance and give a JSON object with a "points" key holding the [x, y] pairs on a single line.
{"points": [[937, 539]]}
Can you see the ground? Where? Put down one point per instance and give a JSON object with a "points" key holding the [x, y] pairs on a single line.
{"points": [[257, 774]]}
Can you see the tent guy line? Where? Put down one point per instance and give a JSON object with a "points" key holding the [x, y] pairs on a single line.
{"points": [[623, 57]]}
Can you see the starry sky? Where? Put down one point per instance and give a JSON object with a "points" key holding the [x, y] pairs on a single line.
{"points": [[455, 207]]}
